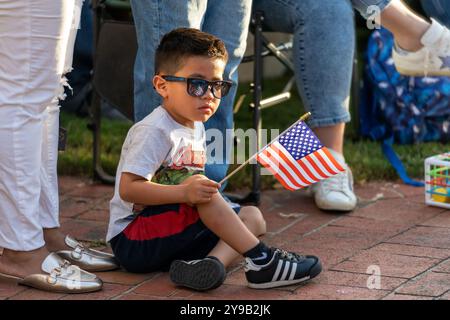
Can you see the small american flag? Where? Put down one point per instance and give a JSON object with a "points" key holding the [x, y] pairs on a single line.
{"points": [[298, 159]]}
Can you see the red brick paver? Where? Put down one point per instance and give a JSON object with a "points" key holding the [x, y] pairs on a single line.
{"points": [[391, 232]]}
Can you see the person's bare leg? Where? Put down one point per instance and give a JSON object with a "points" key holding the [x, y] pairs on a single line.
{"points": [[332, 136], [218, 216], [406, 26], [254, 221], [238, 236], [22, 263], [54, 240]]}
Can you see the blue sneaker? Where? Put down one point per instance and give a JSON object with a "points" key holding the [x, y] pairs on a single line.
{"points": [[285, 268]]}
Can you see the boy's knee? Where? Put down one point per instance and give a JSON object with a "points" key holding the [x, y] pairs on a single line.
{"points": [[254, 216]]}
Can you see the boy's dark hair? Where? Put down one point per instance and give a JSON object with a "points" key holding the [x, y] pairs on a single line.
{"points": [[182, 43]]}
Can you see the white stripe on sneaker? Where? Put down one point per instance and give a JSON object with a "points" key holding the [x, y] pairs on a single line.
{"points": [[275, 276], [285, 271], [293, 270]]}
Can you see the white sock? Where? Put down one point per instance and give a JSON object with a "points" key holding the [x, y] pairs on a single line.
{"points": [[433, 33], [430, 37]]}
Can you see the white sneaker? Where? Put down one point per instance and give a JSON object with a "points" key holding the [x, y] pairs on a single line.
{"points": [[335, 193], [432, 60]]}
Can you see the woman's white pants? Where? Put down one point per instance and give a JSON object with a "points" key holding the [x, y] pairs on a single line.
{"points": [[36, 47]]}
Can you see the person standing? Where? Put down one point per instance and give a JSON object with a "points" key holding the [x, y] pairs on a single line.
{"points": [[323, 51], [35, 53]]}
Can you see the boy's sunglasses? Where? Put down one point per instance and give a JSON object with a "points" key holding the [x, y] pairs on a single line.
{"points": [[198, 87]]}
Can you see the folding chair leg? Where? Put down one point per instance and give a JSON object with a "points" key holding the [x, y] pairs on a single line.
{"points": [[255, 194], [96, 109], [95, 126]]}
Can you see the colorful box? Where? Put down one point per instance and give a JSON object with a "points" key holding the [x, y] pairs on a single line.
{"points": [[437, 180]]}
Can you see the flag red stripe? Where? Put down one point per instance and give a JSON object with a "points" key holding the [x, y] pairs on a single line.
{"points": [[312, 162], [286, 172], [325, 164], [282, 167], [289, 162], [332, 159], [276, 175], [308, 172]]}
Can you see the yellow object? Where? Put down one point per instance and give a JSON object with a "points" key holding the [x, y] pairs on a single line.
{"points": [[440, 197]]}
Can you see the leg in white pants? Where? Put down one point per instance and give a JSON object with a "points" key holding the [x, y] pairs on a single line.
{"points": [[35, 50]]}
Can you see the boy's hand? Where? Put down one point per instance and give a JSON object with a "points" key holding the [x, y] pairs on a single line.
{"points": [[199, 189]]}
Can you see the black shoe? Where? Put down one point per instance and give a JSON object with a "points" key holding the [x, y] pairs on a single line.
{"points": [[285, 268], [201, 275]]}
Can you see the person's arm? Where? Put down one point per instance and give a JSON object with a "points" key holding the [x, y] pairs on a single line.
{"points": [[194, 190]]}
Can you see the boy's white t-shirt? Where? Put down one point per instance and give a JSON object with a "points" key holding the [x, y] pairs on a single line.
{"points": [[156, 142]]}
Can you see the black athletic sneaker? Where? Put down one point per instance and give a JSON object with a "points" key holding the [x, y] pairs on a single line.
{"points": [[201, 275], [285, 268]]}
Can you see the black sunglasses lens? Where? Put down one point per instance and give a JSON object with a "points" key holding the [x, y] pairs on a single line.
{"points": [[225, 88], [217, 89], [220, 89], [197, 87]]}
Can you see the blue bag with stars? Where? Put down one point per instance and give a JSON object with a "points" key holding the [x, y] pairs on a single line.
{"points": [[401, 109]]}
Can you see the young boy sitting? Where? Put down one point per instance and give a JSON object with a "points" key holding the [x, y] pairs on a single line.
{"points": [[185, 225]]}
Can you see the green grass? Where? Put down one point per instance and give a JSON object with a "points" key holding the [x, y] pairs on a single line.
{"points": [[365, 157], [77, 158]]}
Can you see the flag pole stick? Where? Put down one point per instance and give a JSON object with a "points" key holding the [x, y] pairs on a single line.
{"points": [[302, 118]]}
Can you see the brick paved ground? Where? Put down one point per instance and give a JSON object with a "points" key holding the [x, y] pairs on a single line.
{"points": [[391, 231]]}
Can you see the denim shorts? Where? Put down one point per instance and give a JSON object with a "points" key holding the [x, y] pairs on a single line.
{"points": [[363, 6]]}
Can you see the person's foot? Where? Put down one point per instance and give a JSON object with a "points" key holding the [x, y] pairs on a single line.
{"points": [[86, 258], [76, 253], [46, 271], [22, 263], [335, 193], [201, 275], [431, 60], [285, 268]]}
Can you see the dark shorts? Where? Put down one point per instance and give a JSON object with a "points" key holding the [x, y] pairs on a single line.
{"points": [[161, 234]]}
